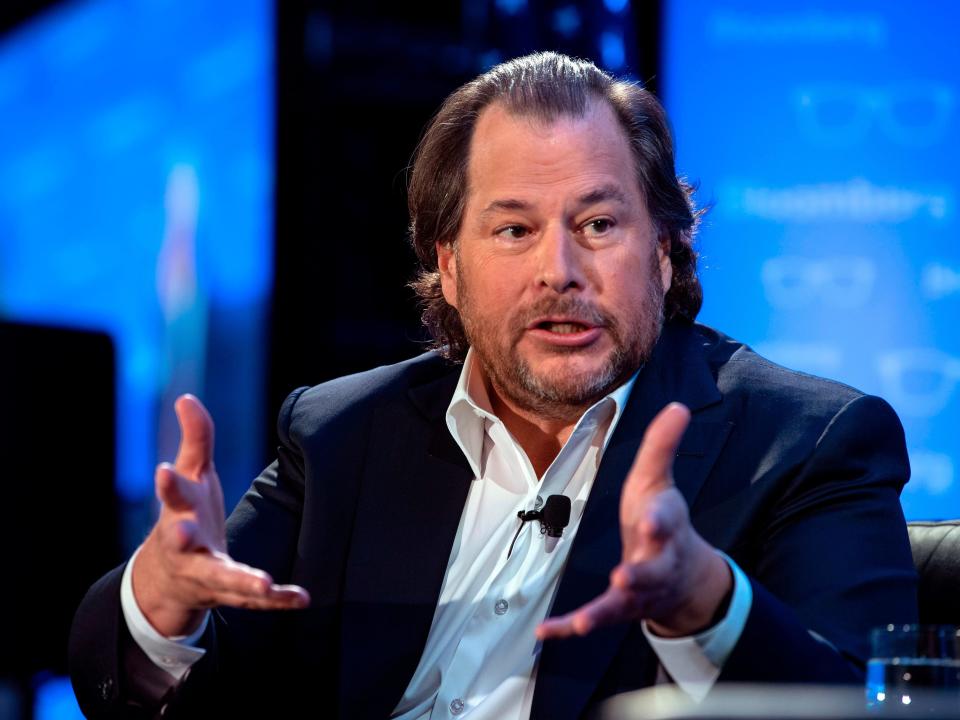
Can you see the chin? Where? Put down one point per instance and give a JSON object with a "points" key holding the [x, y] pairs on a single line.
{"points": [[570, 387]]}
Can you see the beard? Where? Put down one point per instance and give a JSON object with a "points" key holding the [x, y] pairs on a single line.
{"points": [[562, 395]]}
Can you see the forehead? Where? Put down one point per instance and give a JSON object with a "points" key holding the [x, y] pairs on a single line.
{"points": [[517, 154]]}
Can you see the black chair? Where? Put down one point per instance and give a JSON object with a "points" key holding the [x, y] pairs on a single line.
{"points": [[936, 555]]}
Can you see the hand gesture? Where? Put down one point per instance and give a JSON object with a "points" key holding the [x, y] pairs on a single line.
{"points": [[183, 567], [669, 575]]}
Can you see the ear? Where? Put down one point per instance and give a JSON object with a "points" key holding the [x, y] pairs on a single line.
{"points": [[666, 267], [447, 265]]}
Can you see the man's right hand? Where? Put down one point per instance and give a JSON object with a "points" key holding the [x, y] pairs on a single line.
{"points": [[183, 567]]}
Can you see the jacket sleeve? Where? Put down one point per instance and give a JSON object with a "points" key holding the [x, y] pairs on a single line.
{"points": [[833, 558]]}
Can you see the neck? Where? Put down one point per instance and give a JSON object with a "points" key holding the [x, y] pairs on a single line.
{"points": [[541, 437]]}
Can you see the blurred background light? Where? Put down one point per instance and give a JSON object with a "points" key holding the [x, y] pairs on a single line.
{"points": [[612, 53], [137, 170], [616, 6]]}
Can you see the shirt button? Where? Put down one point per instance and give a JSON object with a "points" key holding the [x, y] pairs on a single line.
{"points": [[501, 607], [538, 504], [456, 706]]}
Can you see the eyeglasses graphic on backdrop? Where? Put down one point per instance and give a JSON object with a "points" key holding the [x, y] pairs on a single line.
{"points": [[915, 115], [918, 381], [938, 281], [794, 282]]}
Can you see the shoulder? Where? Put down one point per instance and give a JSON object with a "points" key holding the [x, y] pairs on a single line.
{"points": [[760, 388], [780, 421], [351, 399]]}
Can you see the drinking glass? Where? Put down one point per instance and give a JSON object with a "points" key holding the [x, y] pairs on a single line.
{"points": [[913, 662]]}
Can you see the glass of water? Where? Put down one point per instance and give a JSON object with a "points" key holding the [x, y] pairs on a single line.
{"points": [[913, 662]]}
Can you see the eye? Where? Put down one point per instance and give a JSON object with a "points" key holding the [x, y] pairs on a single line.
{"points": [[512, 232], [598, 227]]}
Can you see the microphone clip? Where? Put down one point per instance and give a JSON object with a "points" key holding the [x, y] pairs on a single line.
{"points": [[553, 517], [545, 527]]}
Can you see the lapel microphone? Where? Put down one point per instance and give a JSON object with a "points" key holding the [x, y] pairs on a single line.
{"points": [[553, 517]]}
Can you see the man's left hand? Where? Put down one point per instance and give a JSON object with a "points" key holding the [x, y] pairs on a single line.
{"points": [[669, 576]]}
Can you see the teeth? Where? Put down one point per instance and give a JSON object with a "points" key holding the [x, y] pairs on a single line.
{"points": [[564, 328]]}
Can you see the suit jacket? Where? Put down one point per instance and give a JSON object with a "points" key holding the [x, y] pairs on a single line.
{"points": [[795, 477]]}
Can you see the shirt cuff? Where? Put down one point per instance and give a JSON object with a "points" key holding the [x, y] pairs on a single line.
{"points": [[173, 655], [695, 662]]}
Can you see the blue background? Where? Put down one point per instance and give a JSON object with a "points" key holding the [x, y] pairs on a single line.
{"points": [[137, 176], [827, 142]]}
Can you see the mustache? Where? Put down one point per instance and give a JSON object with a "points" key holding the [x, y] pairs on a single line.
{"points": [[565, 306]]}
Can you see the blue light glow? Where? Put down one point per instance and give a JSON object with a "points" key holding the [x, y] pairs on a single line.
{"points": [[511, 7], [138, 175], [616, 6], [54, 700], [566, 20], [612, 52]]}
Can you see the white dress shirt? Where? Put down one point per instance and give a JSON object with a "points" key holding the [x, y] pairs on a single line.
{"points": [[481, 654]]}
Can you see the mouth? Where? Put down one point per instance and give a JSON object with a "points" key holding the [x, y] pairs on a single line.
{"points": [[563, 327], [564, 331]]}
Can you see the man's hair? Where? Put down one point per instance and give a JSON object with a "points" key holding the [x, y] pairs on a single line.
{"points": [[543, 86]]}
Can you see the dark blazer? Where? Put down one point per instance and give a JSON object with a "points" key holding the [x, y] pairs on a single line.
{"points": [[795, 477]]}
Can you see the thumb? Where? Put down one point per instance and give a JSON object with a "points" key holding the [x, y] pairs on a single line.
{"points": [[196, 436]]}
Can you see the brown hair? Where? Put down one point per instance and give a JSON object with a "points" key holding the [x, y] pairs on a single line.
{"points": [[544, 85]]}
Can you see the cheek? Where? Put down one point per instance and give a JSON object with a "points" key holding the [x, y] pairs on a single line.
{"points": [[493, 281], [628, 285]]}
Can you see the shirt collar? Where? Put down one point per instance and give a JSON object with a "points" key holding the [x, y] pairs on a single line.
{"points": [[470, 410]]}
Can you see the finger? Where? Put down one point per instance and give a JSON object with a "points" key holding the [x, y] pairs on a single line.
{"points": [[275, 597], [196, 436], [289, 595], [266, 595], [222, 575], [173, 490], [613, 606], [653, 465], [219, 572], [289, 601]]}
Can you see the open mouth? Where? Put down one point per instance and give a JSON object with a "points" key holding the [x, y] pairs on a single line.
{"points": [[562, 328], [574, 327]]}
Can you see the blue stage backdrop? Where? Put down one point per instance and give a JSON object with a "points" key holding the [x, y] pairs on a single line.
{"points": [[826, 136], [136, 170]]}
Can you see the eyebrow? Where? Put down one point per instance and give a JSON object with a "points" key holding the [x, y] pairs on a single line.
{"points": [[506, 204], [600, 194], [603, 194]]}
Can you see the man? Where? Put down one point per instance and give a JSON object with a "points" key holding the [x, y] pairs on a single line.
{"points": [[557, 264]]}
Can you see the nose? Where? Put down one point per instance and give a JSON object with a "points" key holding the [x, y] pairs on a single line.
{"points": [[560, 261]]}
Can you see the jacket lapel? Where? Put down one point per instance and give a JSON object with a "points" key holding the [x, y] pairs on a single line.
{"points": [[414, 488], [570, 670]]}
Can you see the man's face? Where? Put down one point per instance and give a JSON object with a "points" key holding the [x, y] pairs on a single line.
{"points": [[556, 273]]}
